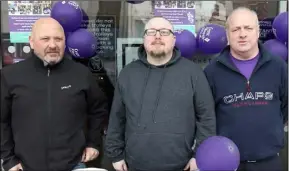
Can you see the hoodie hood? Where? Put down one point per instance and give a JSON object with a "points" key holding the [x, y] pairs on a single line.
{"points": [[143, 57]]}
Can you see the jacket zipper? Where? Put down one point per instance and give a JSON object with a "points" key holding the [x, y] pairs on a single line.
{"points": [[49, 116], [248, 86]]}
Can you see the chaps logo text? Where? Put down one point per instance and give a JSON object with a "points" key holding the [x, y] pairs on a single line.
{"points": [[257, 96]]}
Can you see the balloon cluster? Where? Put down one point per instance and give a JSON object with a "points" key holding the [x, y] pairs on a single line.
{"points": [[210, 39], [278, 46], [80, 42]]}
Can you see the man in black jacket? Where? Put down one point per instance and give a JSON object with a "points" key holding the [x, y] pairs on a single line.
{"points": [[45, 101]]}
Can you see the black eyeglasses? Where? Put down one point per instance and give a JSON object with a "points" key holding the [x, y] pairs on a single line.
{"points": [[163, 32]]}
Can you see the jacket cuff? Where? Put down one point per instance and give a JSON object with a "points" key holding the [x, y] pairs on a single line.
{"points": [[117, 159], [92, 145], [193, 154], [10, 163]]}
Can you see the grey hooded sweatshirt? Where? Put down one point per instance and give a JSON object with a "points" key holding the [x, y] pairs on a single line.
{"points": [[158, 112]]}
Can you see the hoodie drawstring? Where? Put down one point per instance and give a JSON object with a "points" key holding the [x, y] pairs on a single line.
{"points": [[142, 95], [159, 94]]}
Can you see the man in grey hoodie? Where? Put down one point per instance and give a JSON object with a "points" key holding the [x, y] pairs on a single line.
{"points": [[162, 106]]}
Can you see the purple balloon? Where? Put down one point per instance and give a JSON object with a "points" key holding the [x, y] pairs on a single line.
{"points": [[277, 48], [186, 43], [280, 27], [82, 44], [212, 39], [68, 14], [218, 153]]}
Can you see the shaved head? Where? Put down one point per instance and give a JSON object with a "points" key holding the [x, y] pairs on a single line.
{"points": [[44, 22], [159, 20], [47, 39]]}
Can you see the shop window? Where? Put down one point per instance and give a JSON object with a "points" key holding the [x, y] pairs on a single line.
{"points": [[126, 25]]}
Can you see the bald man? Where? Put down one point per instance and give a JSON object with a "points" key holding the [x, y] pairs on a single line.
{"points": [[162, 105], [45, 101], [250, 88]]}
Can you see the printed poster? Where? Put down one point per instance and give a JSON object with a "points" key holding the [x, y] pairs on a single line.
{"points": [[180, 13], [103, 28], [22, 15]]}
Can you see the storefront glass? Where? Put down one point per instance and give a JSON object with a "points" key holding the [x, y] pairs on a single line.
{"points": [[118, 25], [124, 24]]}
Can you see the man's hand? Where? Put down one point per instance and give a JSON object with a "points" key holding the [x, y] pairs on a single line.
{"points": [[192, 165], [120, 166], [18, 167], [89, 154]]}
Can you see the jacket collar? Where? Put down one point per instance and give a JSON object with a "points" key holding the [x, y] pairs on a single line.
{"points": [[224, 57], [40, 66]]}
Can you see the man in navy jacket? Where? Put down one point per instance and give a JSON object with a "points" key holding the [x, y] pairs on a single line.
{"points": [[250, 89]]}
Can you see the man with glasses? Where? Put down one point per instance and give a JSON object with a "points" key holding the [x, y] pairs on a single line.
{"points": [[162, 106]]}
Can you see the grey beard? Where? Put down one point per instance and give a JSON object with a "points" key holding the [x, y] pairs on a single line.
{"points": [[51, 63]]}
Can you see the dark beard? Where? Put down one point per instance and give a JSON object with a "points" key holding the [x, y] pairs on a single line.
{"points": [[157, 55]]}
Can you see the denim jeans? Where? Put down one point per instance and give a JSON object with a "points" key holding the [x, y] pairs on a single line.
{"points": [[79, 166]]}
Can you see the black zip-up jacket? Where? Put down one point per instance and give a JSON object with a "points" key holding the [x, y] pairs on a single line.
{"points": [[43, 113]]}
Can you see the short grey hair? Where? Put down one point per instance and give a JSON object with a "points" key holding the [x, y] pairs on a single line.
{"points": [[242, 8]]}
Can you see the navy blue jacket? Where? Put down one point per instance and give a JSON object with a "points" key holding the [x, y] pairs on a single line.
{"points": [[251, 112]]}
